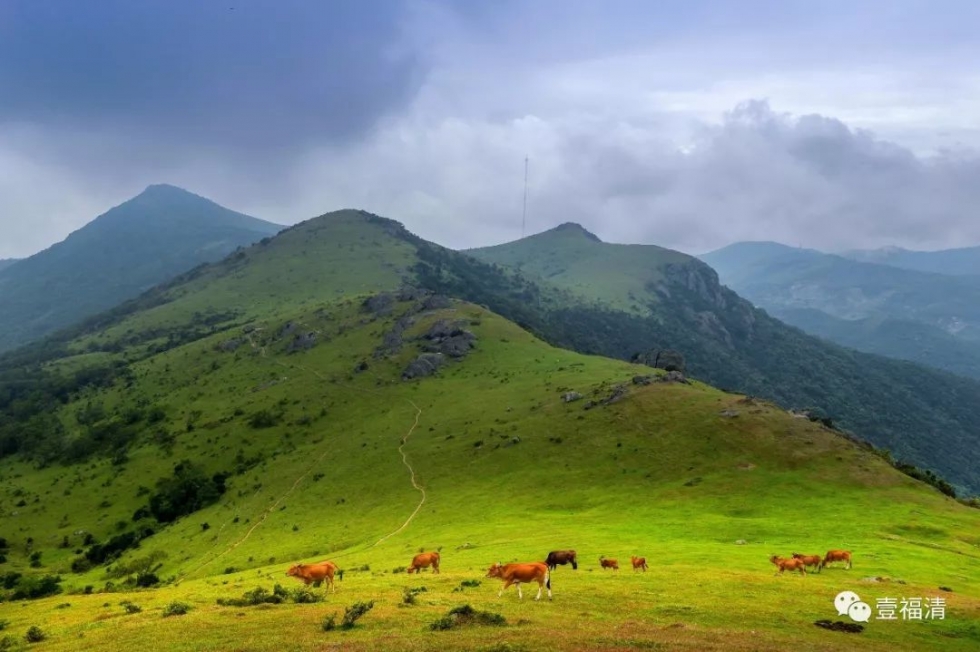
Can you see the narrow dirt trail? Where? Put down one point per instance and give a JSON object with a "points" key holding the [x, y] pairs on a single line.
{"points": [[316, 464]]}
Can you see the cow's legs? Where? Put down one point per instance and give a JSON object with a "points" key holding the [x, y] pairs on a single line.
{"points": [[520, 594], [540, 586], [506, 584]]}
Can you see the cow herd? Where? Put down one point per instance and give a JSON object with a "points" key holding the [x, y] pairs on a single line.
{"points": [[511, 574], [800, 562], [540, 572]]}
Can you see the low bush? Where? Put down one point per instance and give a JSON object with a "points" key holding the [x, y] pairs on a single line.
{"points": [[176, 608], [467, 615]]}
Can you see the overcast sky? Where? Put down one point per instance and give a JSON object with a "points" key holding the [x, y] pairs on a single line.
{"points": [[689, 124]]}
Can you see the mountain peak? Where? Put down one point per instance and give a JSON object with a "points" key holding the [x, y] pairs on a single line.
{"points": [[573, 228], [167, 191]]}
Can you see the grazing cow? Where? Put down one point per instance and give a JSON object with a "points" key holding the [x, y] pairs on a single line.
{"points": [[314, 573], [609, 563], [809, 560], [638, 563], [556, 557], [424, 560], [788, 564], [837, 555], [518, 573]]}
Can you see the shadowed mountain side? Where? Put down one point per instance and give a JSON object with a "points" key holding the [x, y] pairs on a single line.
{"points": [[147, 240]]}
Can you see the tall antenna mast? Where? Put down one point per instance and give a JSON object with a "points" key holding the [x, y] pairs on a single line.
{"points": [[524, 214]]}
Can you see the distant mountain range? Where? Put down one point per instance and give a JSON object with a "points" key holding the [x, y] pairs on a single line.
{"points": [[956, 262], [7, 262], [913, 315], [147, 240]]}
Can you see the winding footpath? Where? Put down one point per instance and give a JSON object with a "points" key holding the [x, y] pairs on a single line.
{"points": [[316, 464]]}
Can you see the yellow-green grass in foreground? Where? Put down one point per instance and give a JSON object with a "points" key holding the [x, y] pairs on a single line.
{"points": [[662, 474]]}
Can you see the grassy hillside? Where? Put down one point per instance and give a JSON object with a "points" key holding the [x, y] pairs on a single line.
{"points": [[924, 416], [568, 256], [147, 240], [311, 438]]}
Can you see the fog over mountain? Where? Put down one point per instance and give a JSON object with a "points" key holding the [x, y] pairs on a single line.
{"points": [[689, 125]]}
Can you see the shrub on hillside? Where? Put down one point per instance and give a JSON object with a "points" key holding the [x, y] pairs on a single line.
{"points": [[351, 616], [101, 553], [467, 615], [31, 587], [176, 608], [259, 595], [409, 595], [185, 492], [263, 419], [35, 634]]}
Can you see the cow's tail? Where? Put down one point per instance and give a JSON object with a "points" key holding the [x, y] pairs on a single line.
{"points": [[574, 564], [547, 579]]}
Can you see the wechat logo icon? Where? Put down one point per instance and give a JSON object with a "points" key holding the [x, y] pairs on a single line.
{"points": [[849, 603]]}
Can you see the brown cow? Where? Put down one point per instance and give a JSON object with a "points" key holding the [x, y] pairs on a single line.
{"points": [[609, 563], [837, 555], [788, 564], [556, 557], [638, 563], [314, 573], [809, 560], [424, 560], [526, 573]]}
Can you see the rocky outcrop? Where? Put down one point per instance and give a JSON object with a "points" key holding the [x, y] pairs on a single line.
{"points": [[379, 304], [424, 365], [436, 302], [230, 345], [448, 338], [302, 342], [618, 393]]}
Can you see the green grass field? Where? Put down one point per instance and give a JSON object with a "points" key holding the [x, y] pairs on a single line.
{"points": [[509, 471]]}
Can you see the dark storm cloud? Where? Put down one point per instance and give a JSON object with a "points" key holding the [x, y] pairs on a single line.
{"points": [[424, 110], [264, 74]]}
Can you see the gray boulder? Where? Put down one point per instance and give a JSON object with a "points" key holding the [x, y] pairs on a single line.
{"points": [[424, 365]]}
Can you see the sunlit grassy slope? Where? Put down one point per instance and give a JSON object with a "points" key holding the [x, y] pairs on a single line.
{"points": [[621, 276], [509, 471]]}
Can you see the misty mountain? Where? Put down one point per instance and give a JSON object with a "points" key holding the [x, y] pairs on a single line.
{"points": [[151, 238], [7, 262], [957, 262], [929, 318]]}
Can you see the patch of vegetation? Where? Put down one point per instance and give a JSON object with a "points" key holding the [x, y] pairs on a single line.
{"points": [[103, 553], [352, 614], [185, 492], [176, 608], [279, 595], [465, 584], [30, 587], [35, 634], [465, 615], [409, 594]]}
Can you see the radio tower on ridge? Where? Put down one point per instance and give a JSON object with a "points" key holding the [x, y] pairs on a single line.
{"points": [[524, 214]]}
